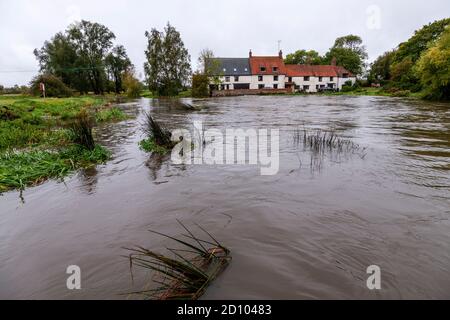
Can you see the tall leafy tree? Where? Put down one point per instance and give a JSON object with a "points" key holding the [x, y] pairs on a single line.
{"points": [[92, 42], [419, 42], [168, 67], [81, 57], [304, 57], [349, 52], [117, 63], [433, 69], [58, 57], [409, 52]]}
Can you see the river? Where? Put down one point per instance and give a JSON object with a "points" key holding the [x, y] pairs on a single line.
{"points": [[308, 232]]}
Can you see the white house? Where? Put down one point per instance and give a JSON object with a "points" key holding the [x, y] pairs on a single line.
{"points": [[271, 73]]}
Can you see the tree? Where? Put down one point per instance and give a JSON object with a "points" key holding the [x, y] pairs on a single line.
{"points": [[380, 69], [304, 57], [409, 52], [80, 55], [349, 53], [92, 42], [168, 67], [204, 61], [419, 42], [118, 63], [433, 69], [58, 57]]}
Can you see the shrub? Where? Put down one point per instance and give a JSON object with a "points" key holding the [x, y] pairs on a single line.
{"points": [[54, 87], [200, 83], [132, 85]]}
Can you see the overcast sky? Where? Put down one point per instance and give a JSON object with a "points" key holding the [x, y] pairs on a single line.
{"points": [[228, 27]]}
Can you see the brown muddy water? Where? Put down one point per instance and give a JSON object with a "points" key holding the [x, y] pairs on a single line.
{"points": [[307, 232]]}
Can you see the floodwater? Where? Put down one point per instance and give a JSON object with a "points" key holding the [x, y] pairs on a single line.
{"points": [[307, 232]]}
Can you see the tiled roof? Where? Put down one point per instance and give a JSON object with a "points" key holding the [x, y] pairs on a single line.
{"points": [[233, 66], [269, 63], [294, 70]]}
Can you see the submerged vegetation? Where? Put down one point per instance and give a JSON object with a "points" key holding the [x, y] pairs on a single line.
{"points": [[158, 138], [187, 275], [49, 138], [26, 168], [323, 144]]}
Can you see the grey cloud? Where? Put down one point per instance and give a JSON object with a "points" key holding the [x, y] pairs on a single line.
{"points": [[229, 28]]}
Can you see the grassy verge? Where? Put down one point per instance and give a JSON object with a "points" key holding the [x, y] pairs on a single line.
{"points": [[21, 169], [37, 138]]}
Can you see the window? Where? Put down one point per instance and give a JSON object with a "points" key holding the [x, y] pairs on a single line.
{"points": [[275, 86], [331, 78], [224, 70], [236, 79], [306, 78], [345, 75], [263, 69], [320, 79], [260, 78], [235, 70], [260, 86], [305, 88], [227, 79], [246, 69], [290, 79], [275, 69], [275, 78]]}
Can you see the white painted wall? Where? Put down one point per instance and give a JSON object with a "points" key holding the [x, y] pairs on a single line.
{"points": [[268, 81], [314, 82]]}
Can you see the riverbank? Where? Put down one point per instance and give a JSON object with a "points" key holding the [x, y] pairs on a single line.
{"points": [[36, 142]]}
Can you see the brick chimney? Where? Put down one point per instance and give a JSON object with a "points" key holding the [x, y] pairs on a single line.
{"points": [[250, 54], [280, 54], [333, 61]]}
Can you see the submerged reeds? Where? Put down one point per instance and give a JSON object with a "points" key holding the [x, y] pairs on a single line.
{"points": [[322, 144], [190, 271], [158, 138], [154, 130]]}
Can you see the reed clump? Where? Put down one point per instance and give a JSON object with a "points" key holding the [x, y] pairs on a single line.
{"points": [[81, 130], [187, 274], [158, 138]]}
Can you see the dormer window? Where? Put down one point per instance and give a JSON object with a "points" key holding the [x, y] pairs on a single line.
{"points": [[235, 70], [275, 69], [224, 70], [263, 69], [246, 69]]}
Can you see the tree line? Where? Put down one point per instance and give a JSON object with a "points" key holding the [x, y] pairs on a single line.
{"points": [[347, 51], [420, 64], [84, 58]]}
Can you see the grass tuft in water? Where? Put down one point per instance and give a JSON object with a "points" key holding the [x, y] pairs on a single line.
{"points": [[21, 169], [187, 274], [158, 138], [81, 130], [111, 114]]}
